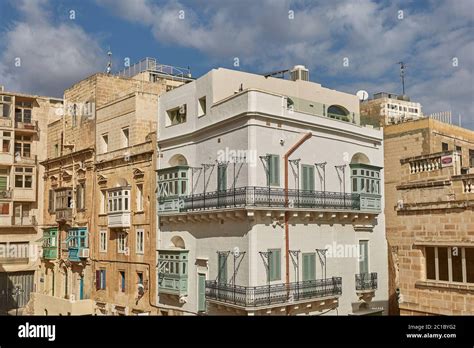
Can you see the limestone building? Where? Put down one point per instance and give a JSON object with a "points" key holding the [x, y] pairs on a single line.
{"points": [[23, 124], [429, 177]]}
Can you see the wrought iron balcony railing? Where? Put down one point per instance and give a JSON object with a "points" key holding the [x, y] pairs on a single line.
{"points": [[366, 281], [267, 295], [253, 196]]}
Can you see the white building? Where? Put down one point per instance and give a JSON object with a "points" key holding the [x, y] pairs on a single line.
{"points": [[267, 190]]}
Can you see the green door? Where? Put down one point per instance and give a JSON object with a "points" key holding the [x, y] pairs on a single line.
{"points": [[364, 256], [222, 178], [201, 292], [309, 266], [307, 179]]}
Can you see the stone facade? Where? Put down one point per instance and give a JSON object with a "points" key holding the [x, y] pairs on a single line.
{"points": [[23, 132], [429, 217]]}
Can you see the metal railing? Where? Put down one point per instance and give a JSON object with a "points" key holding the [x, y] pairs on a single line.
{"points": [[265, 295], [366, 281], [151, 64], [32, 126], [267, 197]]}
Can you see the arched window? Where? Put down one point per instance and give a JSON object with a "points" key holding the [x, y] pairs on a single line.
{"points": [[173, 181], [338, 112], [366, 181]]}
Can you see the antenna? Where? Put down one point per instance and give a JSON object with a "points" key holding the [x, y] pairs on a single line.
{"points": [[109, 63], [402, 75]]}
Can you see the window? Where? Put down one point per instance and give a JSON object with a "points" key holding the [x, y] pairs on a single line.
{"points": [[23, 146], [307, 182], [222, 271], [121, 242], [222, 177], [140, 278], [105, 142], [453, 264], [471, 158], [23, 177], [366, 180], [103, 241], [4, 176], [100, 277], [4, 208], [140, 242], [5, 106], [56, 150], [177, 115], [173, 181], [273, 170], [139, 197], [63, 199], [172, 271], [77, 238], [80, 196], [118, 200], [363, 256], [23, 115], [122, 281], [444, 147], [274, 264], [309, 266], [103, 207], [125, 137], [74, 115], [6, 138], [202, 106]]}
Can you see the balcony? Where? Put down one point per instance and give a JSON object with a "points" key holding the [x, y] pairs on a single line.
{"points": [[269, 295], [366, 281], [50, 253], [24, 220], [5, 122], [120, 219], [25, 127], [6, 158], [173, 284], [24, 194], [63, 215], [26, 160], [431, 166], [252, 197], [76, 254]]}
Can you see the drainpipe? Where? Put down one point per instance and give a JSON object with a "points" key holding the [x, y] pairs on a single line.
{"points": [[287, 214]]}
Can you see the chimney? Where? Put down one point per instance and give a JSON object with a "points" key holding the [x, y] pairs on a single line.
{"points": [[299, 72]]}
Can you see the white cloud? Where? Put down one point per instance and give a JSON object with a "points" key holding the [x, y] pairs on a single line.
{"points": [[52, 55]]}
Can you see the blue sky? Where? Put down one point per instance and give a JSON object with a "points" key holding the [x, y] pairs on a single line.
{"points": [[434, 38]]}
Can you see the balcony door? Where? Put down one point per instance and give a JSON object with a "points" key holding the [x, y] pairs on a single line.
{"points": [[309, 266], [201, 292], [307, 179], [363, 256], [22, 214]]}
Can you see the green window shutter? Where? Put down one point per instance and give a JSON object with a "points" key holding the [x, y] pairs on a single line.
{"points": [[309, 266], [221, 178], [201, 292], [222, 268], [274, 264], [307, 177], [3, 183], [274, 170]]}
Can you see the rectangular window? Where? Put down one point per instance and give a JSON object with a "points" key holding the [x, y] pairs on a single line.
{"points": [[105, 143], [274, 264], [354, 184], [103, 207], [222, 271], [51, 201], [430, 263], [309, 266], [139, 197], [363, 256], [444, 147], [125, 137], [103, 241], [177, 115], [202, 106], [140, 241], [4, 208], [23, 177], [307, 182], [100, 277], [118, 200], [222, 177], [274, 170], [454, 264], [122, 281], [140, 278], [122, 242]]}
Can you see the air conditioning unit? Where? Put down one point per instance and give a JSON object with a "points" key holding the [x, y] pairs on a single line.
{"points": [[84, 253]]}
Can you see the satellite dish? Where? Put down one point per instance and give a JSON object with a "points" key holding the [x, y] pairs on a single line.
{"points": [[362, 95], [236, 252]]}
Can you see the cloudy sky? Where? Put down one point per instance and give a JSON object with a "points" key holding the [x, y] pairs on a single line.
{"points": [[47, 45]]}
